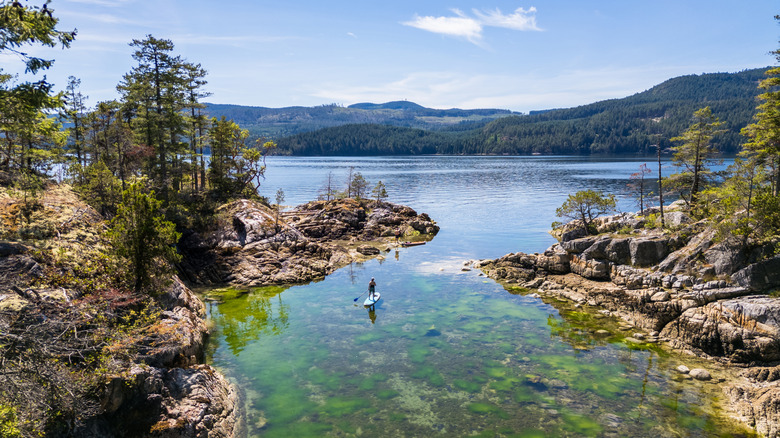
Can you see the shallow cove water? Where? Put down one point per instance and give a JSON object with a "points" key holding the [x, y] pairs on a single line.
{"points": [[447, 352]]}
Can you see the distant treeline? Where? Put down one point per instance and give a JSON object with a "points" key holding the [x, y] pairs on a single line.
{"points": [[274, 123], [631, 125]]}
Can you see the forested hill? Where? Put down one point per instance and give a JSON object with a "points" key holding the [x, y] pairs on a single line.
{"points": [[618, 126], [279, 122]]}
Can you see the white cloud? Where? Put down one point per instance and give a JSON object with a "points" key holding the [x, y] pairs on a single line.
{"points": [[471, 28], [521, 19], [460, 26]]}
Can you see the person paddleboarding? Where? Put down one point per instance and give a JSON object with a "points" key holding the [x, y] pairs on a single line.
{"points": [[372, 289]]}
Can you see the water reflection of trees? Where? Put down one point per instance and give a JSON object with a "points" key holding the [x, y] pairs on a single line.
{"points": [[250, 316]]}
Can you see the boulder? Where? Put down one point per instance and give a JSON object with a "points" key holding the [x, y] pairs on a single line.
{"points": [[590, 268], [598, 250], [660, 296], [368, 250], [177, 402], [609, 224], [570, 231], [648, 251], [676, 219], [578, 246], [700, 374], [688, 256], [759, 276], [619, 251], [555, 261]]}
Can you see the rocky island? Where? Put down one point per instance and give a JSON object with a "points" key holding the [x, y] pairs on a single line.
{"points": [[681, 288], [84, 359], [247, 247]]}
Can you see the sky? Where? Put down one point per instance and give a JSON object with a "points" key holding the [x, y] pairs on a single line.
{"points": [[516, 55]]}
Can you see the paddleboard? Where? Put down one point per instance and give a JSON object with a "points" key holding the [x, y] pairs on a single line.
{"points": [[371, 302]]}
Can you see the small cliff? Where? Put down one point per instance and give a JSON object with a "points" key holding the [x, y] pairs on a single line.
{"points": [[248, 247], [700, 296], [81, 358]]}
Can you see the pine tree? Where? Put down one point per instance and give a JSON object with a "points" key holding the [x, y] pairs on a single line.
{"points": [[141, 236], [586, 205], [695, 154]]}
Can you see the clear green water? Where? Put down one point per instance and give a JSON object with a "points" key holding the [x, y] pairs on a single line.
{"points": [[446, 353]]}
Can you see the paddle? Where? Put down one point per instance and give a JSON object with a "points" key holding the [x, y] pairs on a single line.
{"points": [[355, 300]]}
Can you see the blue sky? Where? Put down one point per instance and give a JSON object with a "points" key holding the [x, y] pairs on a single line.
{"points": [[518, 55]]}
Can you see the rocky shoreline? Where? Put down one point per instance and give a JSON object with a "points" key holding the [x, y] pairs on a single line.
{"points": [[248, 248], [157, 384], [703, 298]]}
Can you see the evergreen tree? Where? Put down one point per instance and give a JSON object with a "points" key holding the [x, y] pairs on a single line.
{"points": [[194, 80], [153, 88], [358, 186], [586, 205], [764, 134], [235, 169], [141, 236], [379, 191], [22, 26], [75, 110], [695, 154]]}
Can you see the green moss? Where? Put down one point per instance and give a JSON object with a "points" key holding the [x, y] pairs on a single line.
{"points": [[366, 385], [328, 381], [481, 408], [368, 337]]}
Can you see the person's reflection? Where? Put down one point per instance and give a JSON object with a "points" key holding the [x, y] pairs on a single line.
{"points": [[396, 254], [372, 313]]}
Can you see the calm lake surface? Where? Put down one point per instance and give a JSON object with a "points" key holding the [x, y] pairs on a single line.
{"points": [[448, 352]]}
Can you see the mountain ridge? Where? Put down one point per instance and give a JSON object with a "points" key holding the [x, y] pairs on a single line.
{"points": [[629, 125]]}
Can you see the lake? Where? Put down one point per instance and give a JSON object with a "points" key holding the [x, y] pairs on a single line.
{"points": [[446, 351]]}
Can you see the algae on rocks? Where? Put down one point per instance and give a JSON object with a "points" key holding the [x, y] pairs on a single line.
{"points": [[701, 297]]}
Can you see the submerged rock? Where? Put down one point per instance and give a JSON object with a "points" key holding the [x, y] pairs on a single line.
{"points": [[676, 286], [700, 374]]}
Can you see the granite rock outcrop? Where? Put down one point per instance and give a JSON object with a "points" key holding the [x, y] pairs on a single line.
{"points": [[702, 297], [252, 246]]}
